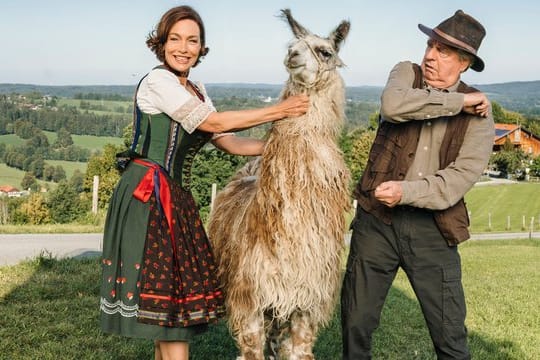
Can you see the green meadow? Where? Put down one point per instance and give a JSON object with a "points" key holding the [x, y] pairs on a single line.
{"points": [[504, 205], [13, 177], [49, 310]]}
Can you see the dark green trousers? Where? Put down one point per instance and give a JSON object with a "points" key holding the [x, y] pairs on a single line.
{"points": [[433, 268]]}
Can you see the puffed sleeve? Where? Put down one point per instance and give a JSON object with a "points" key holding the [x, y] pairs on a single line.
{"points": [[164, 93]]}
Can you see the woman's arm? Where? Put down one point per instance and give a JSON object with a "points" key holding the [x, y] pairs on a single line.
{"points": [[237, 145], [217, 122]]}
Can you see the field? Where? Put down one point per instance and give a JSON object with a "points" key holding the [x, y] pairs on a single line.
{"points": [[13, 177], [49, 310], [100, 107], [504, 204]]}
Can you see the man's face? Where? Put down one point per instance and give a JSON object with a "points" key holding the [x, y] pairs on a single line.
{"points": [[442, 65]]}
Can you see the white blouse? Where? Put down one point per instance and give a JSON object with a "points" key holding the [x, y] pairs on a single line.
{"points": [[161, 92]]}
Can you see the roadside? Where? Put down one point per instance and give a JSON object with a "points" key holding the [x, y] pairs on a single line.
{"points": [[17, 247]]}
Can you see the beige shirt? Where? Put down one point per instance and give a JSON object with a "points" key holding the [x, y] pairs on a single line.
{"points": [[426, 186]]}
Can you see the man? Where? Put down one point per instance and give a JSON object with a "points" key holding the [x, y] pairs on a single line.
{"points": [[433, 143]]}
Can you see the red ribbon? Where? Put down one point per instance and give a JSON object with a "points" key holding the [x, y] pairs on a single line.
{"points": [[147, 186]]}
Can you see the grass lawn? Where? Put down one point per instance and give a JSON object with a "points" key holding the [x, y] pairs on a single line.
{"points": [[49, 310], [500, 202], [106, 107], [69, 166], [13, 177], [93, 143]]}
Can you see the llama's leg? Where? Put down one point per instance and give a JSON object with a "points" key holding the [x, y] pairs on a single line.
{"points": [[299, 346], [251, 339], [277, 332]]}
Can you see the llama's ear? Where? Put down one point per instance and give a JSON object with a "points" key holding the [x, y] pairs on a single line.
{"points": [[298, 30], [340, 33]]}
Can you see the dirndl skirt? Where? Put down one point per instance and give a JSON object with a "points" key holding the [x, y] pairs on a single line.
{"points": [[159, 276]]}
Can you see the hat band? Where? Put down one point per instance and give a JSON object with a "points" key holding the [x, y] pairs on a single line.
{"points": [[453, 40]]}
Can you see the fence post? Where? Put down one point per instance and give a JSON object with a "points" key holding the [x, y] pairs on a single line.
{"points": [[523, 227], [489, 221], [95, 194], [531, 230], [508, 223], [213, 196]]}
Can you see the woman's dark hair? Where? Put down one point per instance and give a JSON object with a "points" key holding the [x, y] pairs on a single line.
{"points": [[156, 39]]}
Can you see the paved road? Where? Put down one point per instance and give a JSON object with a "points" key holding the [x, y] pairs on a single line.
{"points": [[17, 247]]}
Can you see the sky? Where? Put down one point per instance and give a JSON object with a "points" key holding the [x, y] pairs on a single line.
{"points": [[102, 42]]}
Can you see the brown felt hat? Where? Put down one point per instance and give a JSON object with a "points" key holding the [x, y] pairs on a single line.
{"points": [[461, 31]]}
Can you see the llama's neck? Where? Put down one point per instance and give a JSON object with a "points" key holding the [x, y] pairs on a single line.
{"points": [[303, 152], [325, 115]]}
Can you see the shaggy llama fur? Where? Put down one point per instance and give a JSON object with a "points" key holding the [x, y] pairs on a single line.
{"points": [[277, 228]]}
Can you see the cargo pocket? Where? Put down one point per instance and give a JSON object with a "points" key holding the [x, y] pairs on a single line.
{"points": [[453, 297]]}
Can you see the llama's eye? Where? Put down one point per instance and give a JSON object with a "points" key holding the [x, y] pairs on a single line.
{"points": [[325, 54]]}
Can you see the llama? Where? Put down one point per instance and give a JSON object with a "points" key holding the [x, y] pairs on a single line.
{"points": [[277, 228]]}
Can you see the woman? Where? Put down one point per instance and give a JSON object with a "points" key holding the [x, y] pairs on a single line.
{"points": [[158, 270]]}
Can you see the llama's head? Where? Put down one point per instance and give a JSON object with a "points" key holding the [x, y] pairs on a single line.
{"points": [[311, 59]]}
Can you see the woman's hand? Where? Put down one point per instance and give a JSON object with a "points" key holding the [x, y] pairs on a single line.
{"points": [[294, 106]]}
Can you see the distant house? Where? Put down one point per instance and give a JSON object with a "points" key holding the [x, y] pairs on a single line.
{"points": [[6, 189], [10, 191], [519, 137]]}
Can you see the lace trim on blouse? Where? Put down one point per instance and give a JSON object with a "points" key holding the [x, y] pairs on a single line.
{"points": [[192, 114]]}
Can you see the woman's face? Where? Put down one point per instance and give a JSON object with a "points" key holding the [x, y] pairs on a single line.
{"points": [[183, 45]]}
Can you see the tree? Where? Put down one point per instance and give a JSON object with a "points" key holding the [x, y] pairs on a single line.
{"points": [[535, 166], [103, 165], [212, 166], [59, 174], [37, 166], [24, 129], [508, 160], [29, 182], [77, 181], [35, 210], [48, 172], [63, 138], [64, 204], [355, 146]]}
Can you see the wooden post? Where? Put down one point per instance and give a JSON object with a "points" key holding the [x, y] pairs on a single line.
{"points": [[531, 229], [95, 194], [523, 227], [213, 196], [489, 221], [508, 222]]}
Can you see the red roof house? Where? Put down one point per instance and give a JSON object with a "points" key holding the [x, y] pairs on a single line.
{"points": [[519, 137], [7, 189]]}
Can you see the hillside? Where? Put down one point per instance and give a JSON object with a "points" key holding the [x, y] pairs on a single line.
{"points": [[522, 96]]}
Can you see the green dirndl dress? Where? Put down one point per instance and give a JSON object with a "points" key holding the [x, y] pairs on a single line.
{"points": [[159, 278]]}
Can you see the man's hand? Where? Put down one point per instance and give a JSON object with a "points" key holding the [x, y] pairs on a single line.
{"points": [[476, 103], [389, 193]]}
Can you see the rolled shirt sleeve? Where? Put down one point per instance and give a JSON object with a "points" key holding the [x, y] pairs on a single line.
{"points": [[161, 92], [400, 102]]}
